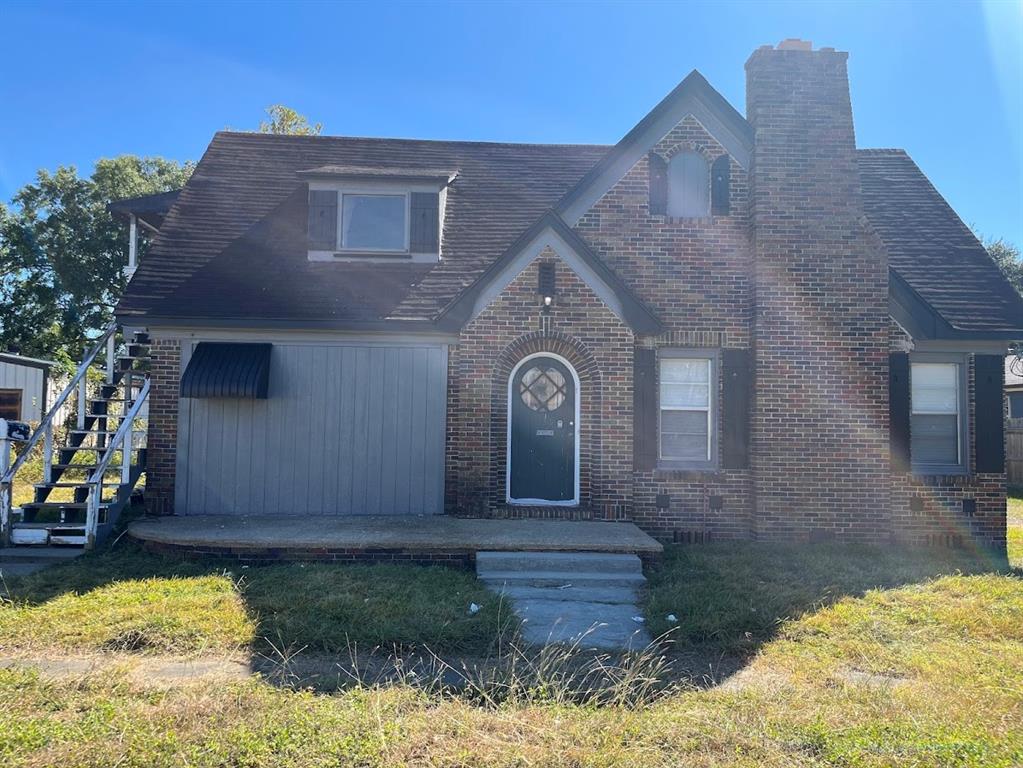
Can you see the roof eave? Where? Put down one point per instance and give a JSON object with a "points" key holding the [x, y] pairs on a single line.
{"points": [[634, 312], [922, 321]]}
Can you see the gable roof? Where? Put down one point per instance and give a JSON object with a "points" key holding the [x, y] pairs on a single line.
{"points": [[937, 260], [551, 231], [693, 96], [233, 246]]}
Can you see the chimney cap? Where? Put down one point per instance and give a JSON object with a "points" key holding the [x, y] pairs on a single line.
{"points": [[795, 44]]}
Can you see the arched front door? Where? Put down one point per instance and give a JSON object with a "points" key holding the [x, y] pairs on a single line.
{"points": [[543, 425]]}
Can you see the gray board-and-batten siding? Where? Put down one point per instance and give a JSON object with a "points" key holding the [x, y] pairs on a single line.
{"points": [[348, 428]]}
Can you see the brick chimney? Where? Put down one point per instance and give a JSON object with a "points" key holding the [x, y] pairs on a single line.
{"points": [[821, 322]]}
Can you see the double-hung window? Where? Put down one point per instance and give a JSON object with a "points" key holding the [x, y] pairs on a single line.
{"points": [[688, 410], [938, 428]]}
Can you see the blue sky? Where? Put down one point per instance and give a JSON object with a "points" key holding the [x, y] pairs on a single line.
{"points": [[90, 80]]}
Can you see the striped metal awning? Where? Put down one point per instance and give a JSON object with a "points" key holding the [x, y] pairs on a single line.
{"points": [[219, 369]]}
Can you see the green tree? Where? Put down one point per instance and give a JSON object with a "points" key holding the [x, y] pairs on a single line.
{"points": [[286, 121], [62, 254], [1007, 257]]}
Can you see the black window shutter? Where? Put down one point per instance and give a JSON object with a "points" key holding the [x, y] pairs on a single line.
{"points": [[988, 374], [721, 177], [658, 184], [899, 410], [644, 410], [737, 381], [322, 219], [546, 285], [424, 234]]}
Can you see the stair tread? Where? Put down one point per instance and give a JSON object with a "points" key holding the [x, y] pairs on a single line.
{"points": [[565, 577], [586, 593], [73, 484], [609, 562], [60, 504]]}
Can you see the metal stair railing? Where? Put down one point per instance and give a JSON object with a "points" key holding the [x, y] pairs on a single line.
{"points": [[125, 437], [44, 431]]}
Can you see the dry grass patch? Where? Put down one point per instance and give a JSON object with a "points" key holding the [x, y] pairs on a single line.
{"points": [[926, 674]]}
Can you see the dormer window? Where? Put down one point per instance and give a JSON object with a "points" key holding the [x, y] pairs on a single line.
{"points": [[374, 222], [374, 213], [688, 185]]}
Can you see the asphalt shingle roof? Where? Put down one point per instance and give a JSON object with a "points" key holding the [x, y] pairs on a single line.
{"points": [[233, 245], [930, 247]]}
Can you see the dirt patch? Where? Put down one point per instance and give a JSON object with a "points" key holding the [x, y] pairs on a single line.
{"points": [[328, 672]]}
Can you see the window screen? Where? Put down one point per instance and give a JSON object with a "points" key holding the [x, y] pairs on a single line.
{"points": [[936, 424], [685, 409]]}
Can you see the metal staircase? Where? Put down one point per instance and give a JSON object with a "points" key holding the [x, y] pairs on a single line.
{"points": [[88, 479]]}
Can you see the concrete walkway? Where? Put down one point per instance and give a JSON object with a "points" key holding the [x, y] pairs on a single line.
{"points": [[583, 599], [21, 561], [437, 533]]}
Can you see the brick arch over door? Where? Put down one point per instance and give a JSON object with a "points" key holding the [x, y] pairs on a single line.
{"points": [[589, 394]]}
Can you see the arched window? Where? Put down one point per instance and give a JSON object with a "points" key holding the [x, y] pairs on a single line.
{"points": [[688, 185]]}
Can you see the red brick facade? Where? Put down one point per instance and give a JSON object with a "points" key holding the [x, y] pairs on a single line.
{"points": [[793, 275], [583, 331], [930, 509], [164, 378]]}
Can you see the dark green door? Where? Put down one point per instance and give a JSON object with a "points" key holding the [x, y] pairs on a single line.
{"points": [[543, 431]]}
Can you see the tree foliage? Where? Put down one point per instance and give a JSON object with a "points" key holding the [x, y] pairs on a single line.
{"points": [[1007, 257], [286, 121], [62, 253]]}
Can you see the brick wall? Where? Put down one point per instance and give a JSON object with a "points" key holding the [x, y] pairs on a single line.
{"points": [[930, 509], [696, 276], [164, 377], [599, 347], [821, 326]]}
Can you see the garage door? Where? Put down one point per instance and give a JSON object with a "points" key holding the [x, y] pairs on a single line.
{"points": [[345, 430]]}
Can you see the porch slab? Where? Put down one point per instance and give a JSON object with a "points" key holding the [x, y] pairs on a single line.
{"points": [[426, 538]]}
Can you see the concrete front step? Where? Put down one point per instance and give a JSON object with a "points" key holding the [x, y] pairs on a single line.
{"points": [[586, 624], [596, 593], [562, 562], [498, 579]]}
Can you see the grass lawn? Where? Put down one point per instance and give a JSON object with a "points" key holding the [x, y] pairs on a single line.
{"points": [[126, 599], [927, 670]]}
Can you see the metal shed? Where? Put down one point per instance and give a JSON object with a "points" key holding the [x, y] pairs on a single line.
{"points": [[23, 387]]}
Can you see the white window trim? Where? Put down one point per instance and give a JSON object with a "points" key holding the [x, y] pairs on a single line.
{"points": [[382, 188], [694, 353], [574, 501], [962, 466]]}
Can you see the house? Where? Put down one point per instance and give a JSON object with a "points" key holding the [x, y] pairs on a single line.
{"points": [[24, 382], [720, 327]]}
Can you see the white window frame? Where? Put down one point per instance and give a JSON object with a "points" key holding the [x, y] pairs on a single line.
{"points": [[382, 189], [713, 356], [962, 466]]}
